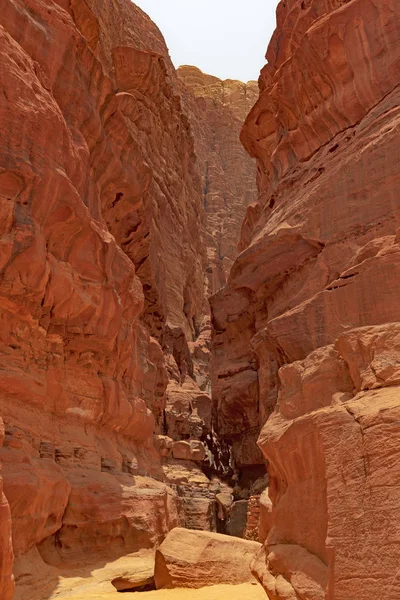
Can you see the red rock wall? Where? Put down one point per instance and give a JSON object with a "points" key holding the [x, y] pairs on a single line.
{"points": [[105, 325], [307, 327], [217, 112], [6, 549], [98, 301]]}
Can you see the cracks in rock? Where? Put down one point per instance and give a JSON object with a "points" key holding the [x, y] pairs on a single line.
{"points": [[140, 263], [316, 175], [341, 278], [219, 246], [118, 197], [206, 187], [367, 470]]}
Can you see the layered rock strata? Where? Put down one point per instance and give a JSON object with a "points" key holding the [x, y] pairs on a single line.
{"points": [[307, 327], [217, 110]]}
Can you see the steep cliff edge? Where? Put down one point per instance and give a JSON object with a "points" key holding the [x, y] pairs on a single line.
{"points": [[307, 328]]}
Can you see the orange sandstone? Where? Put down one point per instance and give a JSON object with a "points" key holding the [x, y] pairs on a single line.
{"points": [[195, 559]]}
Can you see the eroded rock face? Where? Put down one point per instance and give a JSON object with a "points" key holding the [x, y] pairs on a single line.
{"points": [[307, 326], [6, 549], [217, 110], [98, 301], [194, 559], [105, 324]]}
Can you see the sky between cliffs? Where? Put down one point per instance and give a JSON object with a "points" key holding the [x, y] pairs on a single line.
{"points": [[226, 38]]}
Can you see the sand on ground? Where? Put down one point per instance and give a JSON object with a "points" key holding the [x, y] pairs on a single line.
{"points": [[247, 591], [39, 581]]}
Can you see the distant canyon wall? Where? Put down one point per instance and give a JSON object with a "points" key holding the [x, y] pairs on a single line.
{"points": [[306, 342], [228, 173]]}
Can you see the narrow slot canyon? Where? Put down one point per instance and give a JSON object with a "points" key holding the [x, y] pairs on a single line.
{"points": [[199, 317]]}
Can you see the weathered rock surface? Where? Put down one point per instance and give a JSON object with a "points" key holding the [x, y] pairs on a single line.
{"points": [[6, 549], [104, 252], [98, 301], [194, 559], [134, 582], [217, 112], [307, 326]]}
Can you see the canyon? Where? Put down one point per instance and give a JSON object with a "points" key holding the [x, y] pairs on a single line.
{"points": [[199, 333]]}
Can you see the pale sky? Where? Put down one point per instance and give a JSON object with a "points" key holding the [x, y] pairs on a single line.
{"points": [[226, 38]]}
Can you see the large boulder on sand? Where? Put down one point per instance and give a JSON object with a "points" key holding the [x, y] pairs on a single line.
{"points": [[194, 559]]}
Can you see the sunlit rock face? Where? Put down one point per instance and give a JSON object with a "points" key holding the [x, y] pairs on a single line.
{"points": [[307, 328], [217, 112], [196, 559]]}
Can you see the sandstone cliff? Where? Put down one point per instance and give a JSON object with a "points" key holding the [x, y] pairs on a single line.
{"points": [[98, 302], [82, 382], [228, 173], [307, 328]]}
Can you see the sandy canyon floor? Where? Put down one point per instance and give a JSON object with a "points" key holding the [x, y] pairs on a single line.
{"points": [[69, 584], [216, 592]]}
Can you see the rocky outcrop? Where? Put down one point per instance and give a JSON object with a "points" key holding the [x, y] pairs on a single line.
{"points": [[217, 110], [307, 327], [195, 559]]}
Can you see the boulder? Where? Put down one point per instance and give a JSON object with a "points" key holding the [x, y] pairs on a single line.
{"points": [[190, 450], [133, 572], [195, 559], [237, 518], [138, 582]]}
